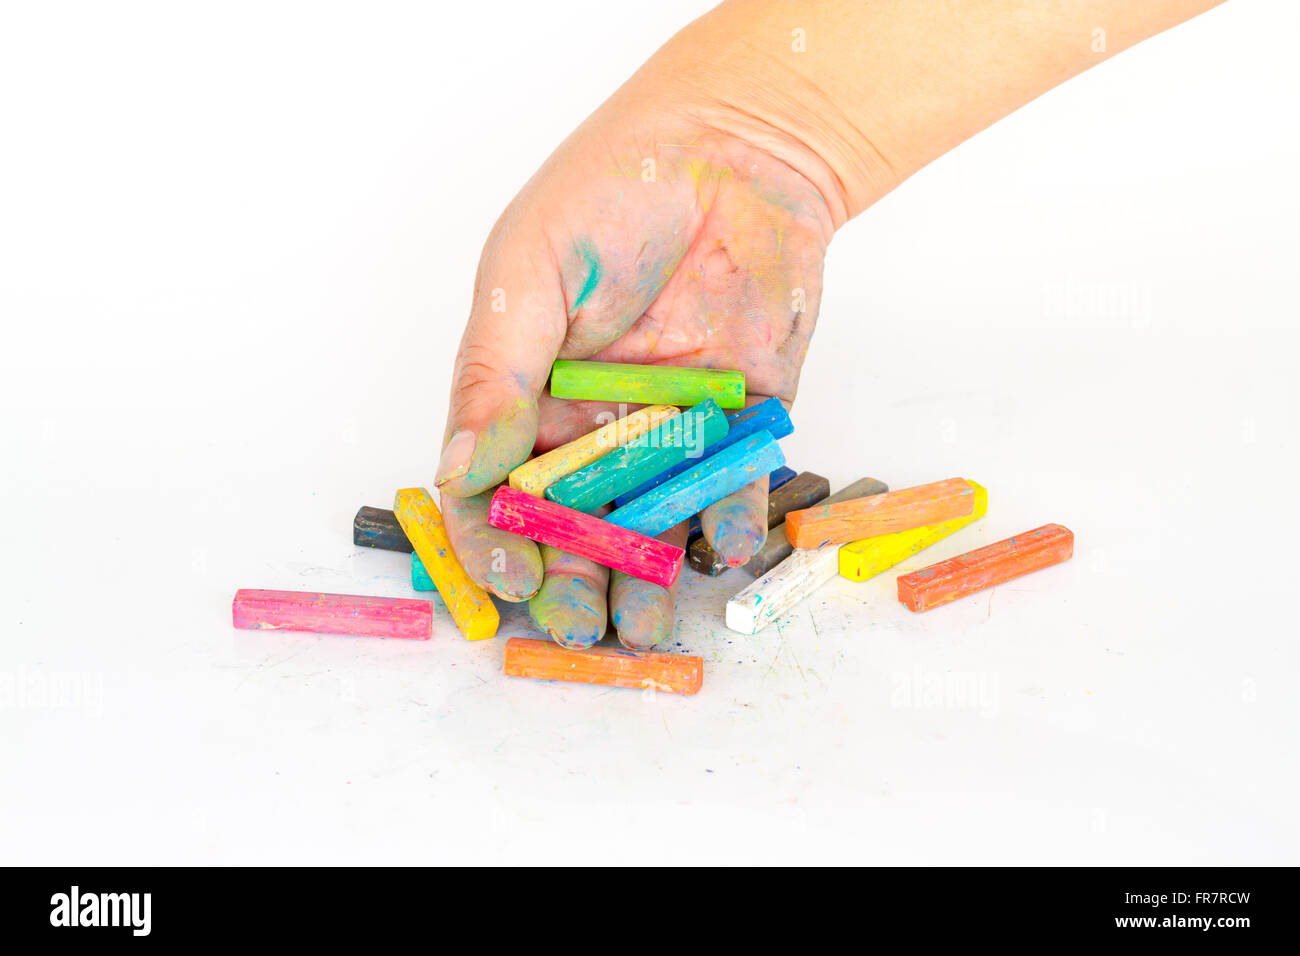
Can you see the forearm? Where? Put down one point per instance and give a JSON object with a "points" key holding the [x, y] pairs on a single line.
{"points": [[859, 95]]}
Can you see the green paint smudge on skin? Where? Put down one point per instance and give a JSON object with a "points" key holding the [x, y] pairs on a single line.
{"points": [[592, 261]]}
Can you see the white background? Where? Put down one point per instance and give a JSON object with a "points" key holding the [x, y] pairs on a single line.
{"points": [[237, 245]]}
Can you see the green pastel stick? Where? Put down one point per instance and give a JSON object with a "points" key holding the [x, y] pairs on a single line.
{"points": [[647, 384], [420, 579], [627, 466]]}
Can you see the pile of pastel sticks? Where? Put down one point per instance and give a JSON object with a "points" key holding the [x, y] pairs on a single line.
{"points": [[657, 467]]}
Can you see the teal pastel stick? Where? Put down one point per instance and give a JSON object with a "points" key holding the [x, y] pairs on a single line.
{"points": [[700, 486], [680, 439], [420, 579]]}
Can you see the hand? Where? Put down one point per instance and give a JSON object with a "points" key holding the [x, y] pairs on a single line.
{"points": [[685, 223], [650, 238]]}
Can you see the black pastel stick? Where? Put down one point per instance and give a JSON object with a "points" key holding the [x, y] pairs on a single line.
{"points": [[378, 528]]}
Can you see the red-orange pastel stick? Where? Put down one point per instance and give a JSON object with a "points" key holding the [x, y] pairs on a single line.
{"points": [[901, 510], [985, 567], [615, 666]]}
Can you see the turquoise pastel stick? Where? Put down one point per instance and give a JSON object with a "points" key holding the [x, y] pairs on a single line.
{"points": [[683, 438], [420, 579], [768, 415], [700, 486]]}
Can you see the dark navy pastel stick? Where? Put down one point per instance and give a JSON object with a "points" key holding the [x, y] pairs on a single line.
{"points": [[769, 415], [378, 528], [779, 477], [701, 485]]}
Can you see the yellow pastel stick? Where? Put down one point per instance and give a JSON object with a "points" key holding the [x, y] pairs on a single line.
{"points": [[471, 607], [867, 557], [537, 475]]}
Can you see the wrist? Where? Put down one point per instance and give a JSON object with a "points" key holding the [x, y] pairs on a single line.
{"points": [[737, 72]]}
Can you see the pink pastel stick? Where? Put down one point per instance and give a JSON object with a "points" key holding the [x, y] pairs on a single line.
{"points": [[355, 614], [588, 537]]}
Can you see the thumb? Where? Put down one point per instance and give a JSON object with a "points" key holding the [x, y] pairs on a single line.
{"points": [[516, 326]]}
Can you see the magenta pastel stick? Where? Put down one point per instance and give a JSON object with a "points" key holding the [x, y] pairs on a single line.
{"points": [[356, 614], [588, 537]]}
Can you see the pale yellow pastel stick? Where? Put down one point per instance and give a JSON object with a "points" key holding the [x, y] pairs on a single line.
{"points": [[471, 607], [537, 475], [866, 558]]}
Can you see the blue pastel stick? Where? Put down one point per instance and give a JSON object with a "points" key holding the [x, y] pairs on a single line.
{"points": [[774, 481], [779, 477], [420, 579], [699, 486], [768, 415]]}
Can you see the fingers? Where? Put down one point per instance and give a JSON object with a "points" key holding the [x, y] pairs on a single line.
{"points": [[643, 612], [505, 564], [570, 606], [516, 326], [736, 526]]}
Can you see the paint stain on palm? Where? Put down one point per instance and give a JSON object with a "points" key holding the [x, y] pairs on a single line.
{"points": [[591, 262]]}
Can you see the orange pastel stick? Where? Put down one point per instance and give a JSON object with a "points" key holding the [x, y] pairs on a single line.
{"points": [[893, 511], [985, 567], [616, 666]]}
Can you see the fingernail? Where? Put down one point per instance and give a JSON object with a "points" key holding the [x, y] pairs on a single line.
{"points": [[509, 589], [455, 457]]}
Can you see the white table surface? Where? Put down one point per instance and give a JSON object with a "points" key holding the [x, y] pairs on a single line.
{"points": [[219, 357]]}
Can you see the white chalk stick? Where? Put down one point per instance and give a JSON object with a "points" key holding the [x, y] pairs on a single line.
{"points": [[782, 588]]}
